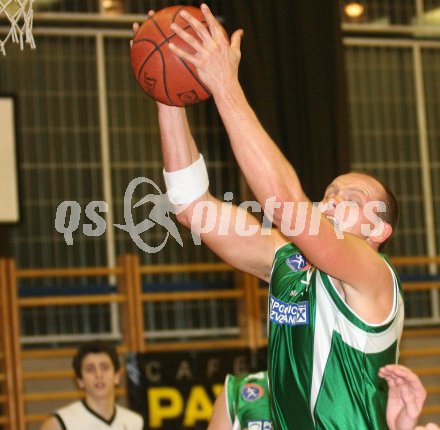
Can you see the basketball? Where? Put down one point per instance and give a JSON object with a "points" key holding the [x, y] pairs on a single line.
{"points": [[159, 72]]}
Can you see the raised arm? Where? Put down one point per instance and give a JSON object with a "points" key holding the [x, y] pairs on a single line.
{"points": [[252, 253], [229, 236]]}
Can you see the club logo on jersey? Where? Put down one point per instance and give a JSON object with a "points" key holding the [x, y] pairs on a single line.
{"points": [[297, 262], [259, 425], [252, 392], [288, 313]]}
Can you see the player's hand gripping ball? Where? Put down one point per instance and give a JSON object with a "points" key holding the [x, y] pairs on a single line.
{"points": [[159, 72]]}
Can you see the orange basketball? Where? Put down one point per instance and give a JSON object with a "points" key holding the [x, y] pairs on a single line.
{"points": [[159, 72]]}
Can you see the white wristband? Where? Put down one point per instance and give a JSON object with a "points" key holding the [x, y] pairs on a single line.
{"points": [[188, 184]]}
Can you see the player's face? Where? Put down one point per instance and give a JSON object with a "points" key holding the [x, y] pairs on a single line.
{"points": [[98, 376], [351, 202]]}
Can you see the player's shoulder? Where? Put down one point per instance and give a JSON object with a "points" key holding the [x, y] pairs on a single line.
{"points": [[284, 248], [288, 258], [238, 381], [387, 260], [54, 422], [257, 376], [51, 423], [392, 269], [74, 406]]}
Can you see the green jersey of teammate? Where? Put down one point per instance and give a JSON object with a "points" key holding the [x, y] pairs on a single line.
{"points": [[324, 359], [248, 401]]}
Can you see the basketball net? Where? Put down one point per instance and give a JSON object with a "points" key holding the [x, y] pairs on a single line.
{"points": [[19, 13]]}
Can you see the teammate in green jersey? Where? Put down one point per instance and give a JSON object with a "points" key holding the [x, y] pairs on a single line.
{"points": [[243, 404], [335, 309]]}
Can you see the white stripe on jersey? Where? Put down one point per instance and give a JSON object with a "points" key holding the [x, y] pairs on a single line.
{"points": [[325, 323]]}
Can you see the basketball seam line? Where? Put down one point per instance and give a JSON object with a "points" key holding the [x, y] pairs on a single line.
{"points": [[163, 67], [157, 48]]}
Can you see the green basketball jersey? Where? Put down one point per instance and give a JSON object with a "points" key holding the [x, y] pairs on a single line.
{"points": [[247, 398], [323, 359]]}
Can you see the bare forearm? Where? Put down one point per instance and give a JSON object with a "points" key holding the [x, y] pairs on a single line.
{"points": [[267, 171], [178, 147]]}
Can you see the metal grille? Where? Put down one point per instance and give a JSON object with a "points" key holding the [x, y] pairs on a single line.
{"points": [[193, 319], [127, 6], [59, 146], [384, 133], [67, 6], [48, 326], [384, 12], [431, 62]]}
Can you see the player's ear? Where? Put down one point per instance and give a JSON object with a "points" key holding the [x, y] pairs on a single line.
{"points": [[381, 232], [117, 378], [80, 383]]}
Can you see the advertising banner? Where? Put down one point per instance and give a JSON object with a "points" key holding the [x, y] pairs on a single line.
{"points": [[177, 390]]}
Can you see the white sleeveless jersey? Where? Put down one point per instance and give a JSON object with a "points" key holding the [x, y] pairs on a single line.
{"points": [[78, 416]]}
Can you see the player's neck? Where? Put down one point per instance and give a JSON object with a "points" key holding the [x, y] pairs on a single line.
{"points": [[103, 406]]}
